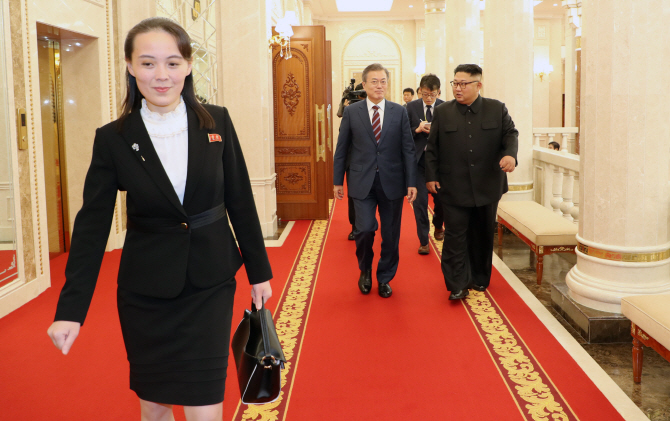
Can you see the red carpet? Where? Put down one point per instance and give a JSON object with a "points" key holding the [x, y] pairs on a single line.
{"points": [[91, 383], [414, 356], [418, 356]]}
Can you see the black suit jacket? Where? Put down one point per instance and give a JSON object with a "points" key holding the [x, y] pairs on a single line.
{"points": [[465, 147], [393, 156], [157, 264], [415, 114]]}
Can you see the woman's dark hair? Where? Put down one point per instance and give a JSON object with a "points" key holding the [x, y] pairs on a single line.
{"points": [[133, 100]]}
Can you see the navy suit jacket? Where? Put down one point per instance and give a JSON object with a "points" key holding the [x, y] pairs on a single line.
{"points": [[393, 156], [415, 114]]}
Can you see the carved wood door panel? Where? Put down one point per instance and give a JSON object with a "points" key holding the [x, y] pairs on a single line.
{"points": [[303, 157]]}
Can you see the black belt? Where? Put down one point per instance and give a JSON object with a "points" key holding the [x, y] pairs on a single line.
{"points": [[167, 225]]}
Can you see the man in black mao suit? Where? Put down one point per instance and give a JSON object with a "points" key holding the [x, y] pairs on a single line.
{"points": [[472, 145], [381, 172], [420, 114]]}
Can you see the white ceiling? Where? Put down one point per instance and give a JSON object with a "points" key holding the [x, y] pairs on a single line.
{"points": [[327, 10]]}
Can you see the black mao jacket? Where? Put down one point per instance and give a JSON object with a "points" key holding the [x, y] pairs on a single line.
{"points": [[464, 150]]}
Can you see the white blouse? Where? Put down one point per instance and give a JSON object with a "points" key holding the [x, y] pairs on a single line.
{"points": [[169, 135]]}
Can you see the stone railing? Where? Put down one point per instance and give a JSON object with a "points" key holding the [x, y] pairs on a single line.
{"points": [[564, 136], [556, 174]]}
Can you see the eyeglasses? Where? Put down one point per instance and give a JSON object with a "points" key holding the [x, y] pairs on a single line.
{"points": [[376, 82], [429, 95], [462, 85]]}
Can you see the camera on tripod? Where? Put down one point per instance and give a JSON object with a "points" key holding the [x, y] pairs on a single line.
{"points": [[354, 95]]}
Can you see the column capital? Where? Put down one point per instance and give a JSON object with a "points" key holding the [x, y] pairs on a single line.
{"points": [[434, 6]]}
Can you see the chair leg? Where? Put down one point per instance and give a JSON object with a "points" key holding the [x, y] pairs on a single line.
{"points": [[638, 353], [539, 266], [500, 234]]}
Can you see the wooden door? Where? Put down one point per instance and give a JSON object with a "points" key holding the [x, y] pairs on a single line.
{"points": [[303, 155]]}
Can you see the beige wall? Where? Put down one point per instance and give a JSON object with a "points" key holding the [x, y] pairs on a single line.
{"points": [[355, 44]]}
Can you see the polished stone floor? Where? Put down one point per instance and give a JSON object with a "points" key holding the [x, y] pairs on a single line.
{"points": [[652, 395]]}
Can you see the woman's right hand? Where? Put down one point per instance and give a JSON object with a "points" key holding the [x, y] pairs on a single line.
{"points": [[63, 334]]}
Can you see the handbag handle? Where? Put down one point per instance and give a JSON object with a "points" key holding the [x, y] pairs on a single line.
{"points": [[266, 335]]}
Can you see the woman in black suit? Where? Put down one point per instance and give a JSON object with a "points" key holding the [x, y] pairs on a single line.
{"points": [[181, 165]]}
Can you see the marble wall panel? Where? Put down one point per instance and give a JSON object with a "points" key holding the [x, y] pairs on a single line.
{"points": [[24, 195]]}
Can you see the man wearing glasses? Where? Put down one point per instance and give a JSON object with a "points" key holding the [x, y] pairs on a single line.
{"points": [[381, 172], [472, 145], [420, 114]]}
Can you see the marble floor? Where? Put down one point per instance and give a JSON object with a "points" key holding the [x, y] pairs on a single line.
{"points": [[652, 395]]}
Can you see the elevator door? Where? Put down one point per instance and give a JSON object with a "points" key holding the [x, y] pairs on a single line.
{"points": [[51, 96]]}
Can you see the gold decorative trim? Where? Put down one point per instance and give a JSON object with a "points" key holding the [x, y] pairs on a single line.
{"points": [[526, 380], [623, 257], [291, 321], [436, 10], [521, 371], [34, 142], [578, 43], [522, 187]]}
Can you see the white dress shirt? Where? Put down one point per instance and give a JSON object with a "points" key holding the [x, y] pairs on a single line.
{"points": [[371, 112], [169, 135]]}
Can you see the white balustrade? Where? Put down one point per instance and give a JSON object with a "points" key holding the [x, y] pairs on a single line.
{"points": [[559, 171], [543, 135]]}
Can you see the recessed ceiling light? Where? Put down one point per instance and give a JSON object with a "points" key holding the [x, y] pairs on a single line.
{"points": [[555, 4], [411, 5], [364, 6]]}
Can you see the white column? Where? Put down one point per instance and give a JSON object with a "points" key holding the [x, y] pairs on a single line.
{"points": [[436, 34], [245, 71], [508, 77], [570, 75], [463, 38], [624, 201]]}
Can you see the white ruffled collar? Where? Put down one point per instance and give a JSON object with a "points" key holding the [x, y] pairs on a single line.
{"points": [[165, 125]]}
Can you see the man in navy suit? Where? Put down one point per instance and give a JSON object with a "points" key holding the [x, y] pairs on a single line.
{"points": [[381, 172], [420, 114]]}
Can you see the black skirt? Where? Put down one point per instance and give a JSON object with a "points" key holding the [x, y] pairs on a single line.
{"points": [[178, 348]]}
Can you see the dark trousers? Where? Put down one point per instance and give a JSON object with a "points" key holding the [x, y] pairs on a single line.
{"points": [[352, 211], [467, 252], [421, 205], [390, 214]]}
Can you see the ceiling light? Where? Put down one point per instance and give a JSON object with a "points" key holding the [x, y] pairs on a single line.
{"points": [[411, 5], [364, 6]]}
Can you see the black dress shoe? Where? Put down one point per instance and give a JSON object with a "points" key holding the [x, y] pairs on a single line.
{"points": [[459, 295], [351, 236], [480, 288], [385, 290], [365, 281]]}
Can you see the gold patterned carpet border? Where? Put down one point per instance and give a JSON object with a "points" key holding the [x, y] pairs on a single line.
{"points": [[291, 319], [535, 394]]}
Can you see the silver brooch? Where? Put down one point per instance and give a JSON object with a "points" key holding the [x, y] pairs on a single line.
{"points": [[136, 147]]}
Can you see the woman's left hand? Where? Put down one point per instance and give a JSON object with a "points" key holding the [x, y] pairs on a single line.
{"points": [[261, 293]]}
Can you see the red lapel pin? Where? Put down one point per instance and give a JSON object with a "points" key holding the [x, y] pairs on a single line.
{"points": [[214, 137]]}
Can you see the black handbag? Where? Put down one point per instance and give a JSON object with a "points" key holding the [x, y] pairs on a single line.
{"points": [[258, 357]]}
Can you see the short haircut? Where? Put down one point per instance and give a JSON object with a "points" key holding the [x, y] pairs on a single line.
{"points": [[431, 82], [471, 69], [418, 89], [410, 90], [373, 68], [555, 145]]}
